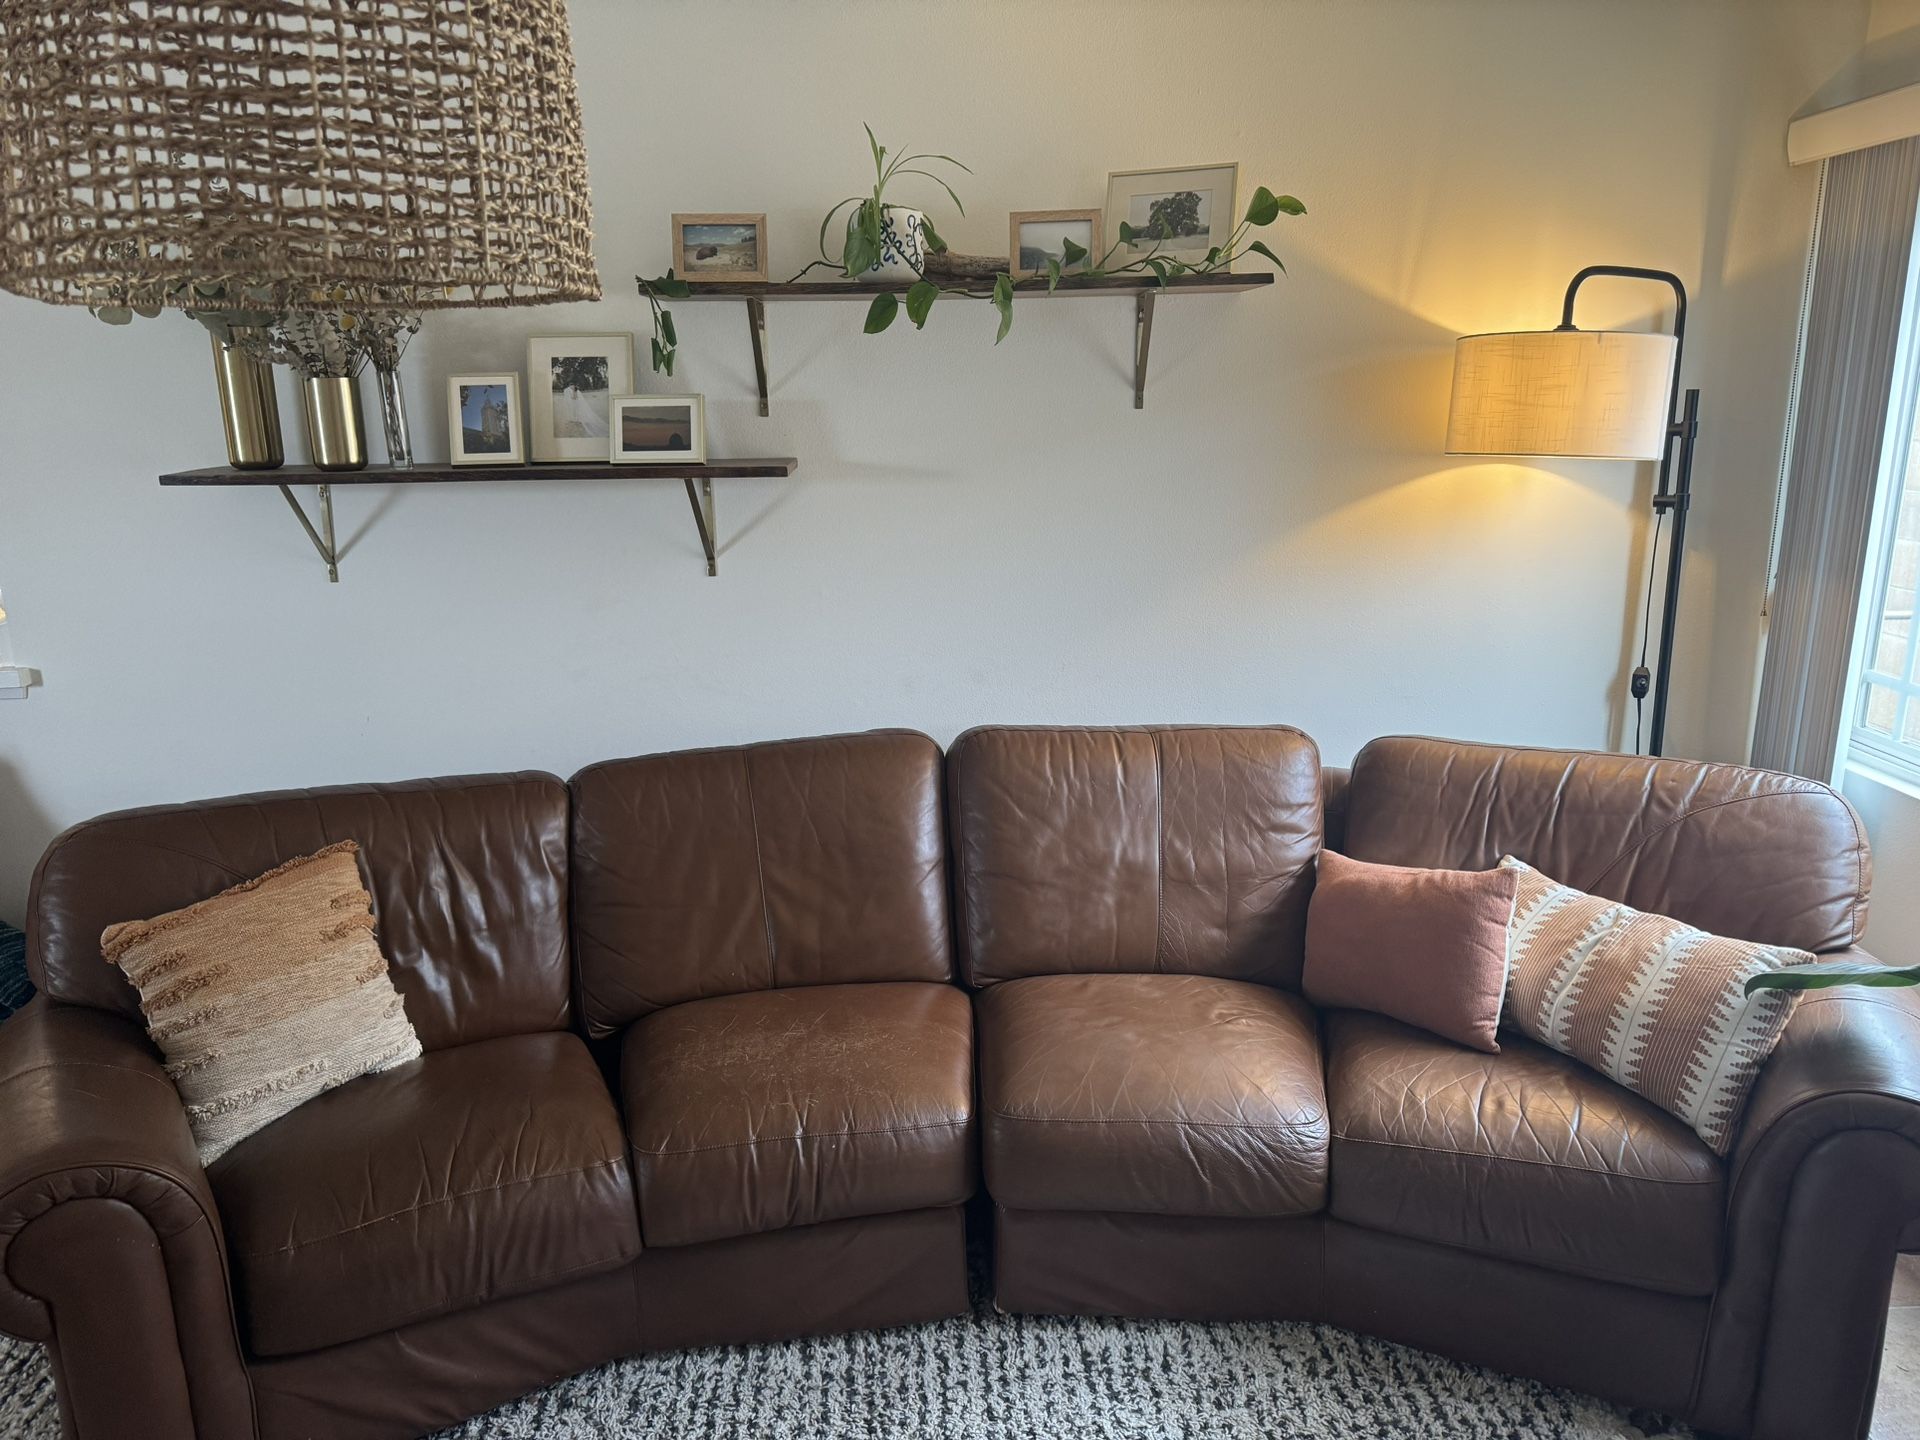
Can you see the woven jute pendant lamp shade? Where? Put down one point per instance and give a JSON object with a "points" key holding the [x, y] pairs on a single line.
{"points": [[294, 154]]}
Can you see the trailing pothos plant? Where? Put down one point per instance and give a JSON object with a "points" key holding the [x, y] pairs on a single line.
{"points": [[1263, 210], [864, 244]]}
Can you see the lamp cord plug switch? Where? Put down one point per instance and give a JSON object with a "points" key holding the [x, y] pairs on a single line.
{"points": [[1642, 682]]}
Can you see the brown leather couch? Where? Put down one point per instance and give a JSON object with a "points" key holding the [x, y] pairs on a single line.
{"points": [[697, 1071]]}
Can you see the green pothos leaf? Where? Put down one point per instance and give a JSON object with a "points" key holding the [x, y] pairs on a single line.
{"points": [[880, 314], [920, 300], [1003, 302]]}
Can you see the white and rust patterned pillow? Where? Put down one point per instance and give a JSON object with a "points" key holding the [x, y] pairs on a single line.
{"points": [[1649, 1002], [267, 994]]}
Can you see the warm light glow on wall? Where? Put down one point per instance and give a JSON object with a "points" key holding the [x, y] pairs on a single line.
{"points": [[1598, 393]]}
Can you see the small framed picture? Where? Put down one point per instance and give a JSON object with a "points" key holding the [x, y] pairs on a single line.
{"points": [[1180, 214], [720, 247], [659, 430], [1036, 236], [484, 420], [570, 379]]}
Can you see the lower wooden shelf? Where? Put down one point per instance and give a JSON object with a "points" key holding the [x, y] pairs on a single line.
{"points": [[697, 478]]}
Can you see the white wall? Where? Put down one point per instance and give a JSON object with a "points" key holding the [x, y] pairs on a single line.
{"points": [[980, 534]]}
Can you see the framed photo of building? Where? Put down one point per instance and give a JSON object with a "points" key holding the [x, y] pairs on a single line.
{"points": [[1181, 214], [659, 430], [570, 380], [720, 247], [485, 426], [1036, 236]]}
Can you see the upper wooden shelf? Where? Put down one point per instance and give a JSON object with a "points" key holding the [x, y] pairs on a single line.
{"points": [[1144, 289], [1033, 288], [441, 474], [700, 498]]}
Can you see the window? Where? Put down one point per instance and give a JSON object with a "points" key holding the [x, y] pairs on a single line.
{"points": [[1886, 714]]}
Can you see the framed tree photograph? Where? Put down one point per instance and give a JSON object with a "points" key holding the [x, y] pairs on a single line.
{"points": [[570, 381], [1181, 214]]}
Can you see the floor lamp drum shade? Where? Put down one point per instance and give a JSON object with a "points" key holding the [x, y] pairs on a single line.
{"points": [[1598, 393], [304, 154]]}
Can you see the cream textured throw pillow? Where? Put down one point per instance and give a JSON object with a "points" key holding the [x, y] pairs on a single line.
{"points": [[1656, 1005], [266, 994]]}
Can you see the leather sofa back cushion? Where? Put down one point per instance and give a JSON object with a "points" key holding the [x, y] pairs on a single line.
{"points": [[1182, 850], [1738, 852], [714, 872], [468, 876], [1427, 947]]}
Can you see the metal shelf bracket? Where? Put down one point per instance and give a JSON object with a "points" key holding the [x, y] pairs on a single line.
{"points": [[329, 552], [757, 327], [702, 502], [1142, 343]]}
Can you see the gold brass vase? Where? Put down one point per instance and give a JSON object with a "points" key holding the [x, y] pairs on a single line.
{"points": [[249, 409], [336, 433]]}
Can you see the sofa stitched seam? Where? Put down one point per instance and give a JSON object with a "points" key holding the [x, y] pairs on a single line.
{"points": [[799, 1139], [1605, 1275], [760, 871], [429, 1205], [1522, 1160], [13, 1075], [1859, 873], [1289, 1126], [1159, 857], [430, 1312]]}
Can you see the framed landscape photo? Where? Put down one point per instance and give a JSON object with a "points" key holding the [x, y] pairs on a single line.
{"points": [[1035, 236], [570, 380], [1180, 214], [484, 421], [659, 430], [720, 247]]}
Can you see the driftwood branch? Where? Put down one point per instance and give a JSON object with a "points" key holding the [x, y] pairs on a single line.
{"points": [[945, 264]]}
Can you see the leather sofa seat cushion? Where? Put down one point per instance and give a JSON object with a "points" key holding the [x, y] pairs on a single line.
{"points": [[471, 1174], [1525, 1155], [1153, 1094], [777, 1108]]}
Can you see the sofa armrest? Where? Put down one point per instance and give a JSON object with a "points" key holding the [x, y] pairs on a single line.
{"points": [[1849, 1059], [111, 1250], [1824, 1190]]}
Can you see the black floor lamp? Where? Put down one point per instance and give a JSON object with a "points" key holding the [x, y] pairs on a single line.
{"points": [[1599, 394]]}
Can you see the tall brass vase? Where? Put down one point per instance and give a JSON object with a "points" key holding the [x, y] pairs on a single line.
{"points": [[249, 409], [336, 432]]}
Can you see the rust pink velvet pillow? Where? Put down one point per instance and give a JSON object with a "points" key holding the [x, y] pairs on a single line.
{"points": [[1426, 947]]}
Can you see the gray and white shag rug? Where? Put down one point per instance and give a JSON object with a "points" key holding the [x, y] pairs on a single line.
{"points": [[986, 1376]]}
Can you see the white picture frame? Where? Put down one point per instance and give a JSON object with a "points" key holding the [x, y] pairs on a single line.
{"points": [[1133, 194], [479, 409], [571, 382], [677, 422]]}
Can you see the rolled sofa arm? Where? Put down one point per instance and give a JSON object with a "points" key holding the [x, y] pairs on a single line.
{"points": [[111, 1251], [1824, 1191]]}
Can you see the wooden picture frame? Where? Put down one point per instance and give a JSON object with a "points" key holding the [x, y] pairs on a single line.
{"points": [[479, 442], [727, 264], [1093, 241], [568, 392], [1130, 194], [681, 418]]}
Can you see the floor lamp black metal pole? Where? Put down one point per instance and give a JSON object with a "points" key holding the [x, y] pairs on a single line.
{"points": [[1675, 492]]}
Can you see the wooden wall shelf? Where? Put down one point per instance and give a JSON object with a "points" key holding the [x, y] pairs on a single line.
{"points": [[697, 478], [1144, 289]]}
